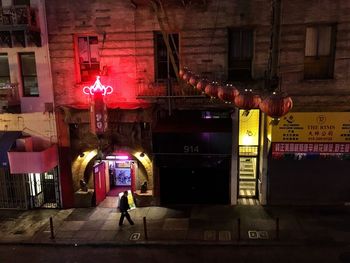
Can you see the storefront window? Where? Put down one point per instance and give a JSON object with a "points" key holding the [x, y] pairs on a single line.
{"points": [[35, 183]]}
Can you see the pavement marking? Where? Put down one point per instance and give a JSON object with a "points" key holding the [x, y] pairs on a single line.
{"points": [[135, 236], [255, 234], [209, 235], [263, 235]]}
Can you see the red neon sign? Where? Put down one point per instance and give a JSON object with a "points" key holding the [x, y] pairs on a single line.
{"points": [[97, 88], [98, 109]]}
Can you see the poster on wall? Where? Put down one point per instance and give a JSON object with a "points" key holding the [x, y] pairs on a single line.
{"points": [[122, 177]]}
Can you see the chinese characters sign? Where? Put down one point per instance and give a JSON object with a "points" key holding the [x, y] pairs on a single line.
{"points": [[98, 115], [313, 127], [98, 110], [311, 147]]}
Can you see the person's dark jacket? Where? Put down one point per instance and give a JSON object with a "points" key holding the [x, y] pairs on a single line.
{"points": [[124, 205]]}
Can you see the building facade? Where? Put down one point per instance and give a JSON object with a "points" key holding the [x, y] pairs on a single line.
{"points": [[29, 167], [188, 145]]}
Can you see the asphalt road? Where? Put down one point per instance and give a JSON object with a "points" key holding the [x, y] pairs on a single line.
{"points": [[170, 254]]}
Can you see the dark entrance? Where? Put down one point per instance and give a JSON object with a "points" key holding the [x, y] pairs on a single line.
{"points": [[196, 185], [193, 156]]}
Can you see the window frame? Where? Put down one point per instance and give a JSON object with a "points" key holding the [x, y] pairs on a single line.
{"points": [[312, 60], [8, 67], [78, 67], [24, 93], [27, 2], [249, 60], [172, 73]]}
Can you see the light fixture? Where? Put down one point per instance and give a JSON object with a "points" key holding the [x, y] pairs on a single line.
{"points": [[121, 157]]}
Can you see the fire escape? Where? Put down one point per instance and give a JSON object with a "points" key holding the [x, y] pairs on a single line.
{"points": [[175, 92], [19, 28]]}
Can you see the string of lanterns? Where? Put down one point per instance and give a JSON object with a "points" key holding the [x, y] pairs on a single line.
{"points": [[275, 105]]}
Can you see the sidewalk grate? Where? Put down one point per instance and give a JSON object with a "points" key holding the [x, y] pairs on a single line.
{"points": [[209, 235], [255, 234], [224, 235]]}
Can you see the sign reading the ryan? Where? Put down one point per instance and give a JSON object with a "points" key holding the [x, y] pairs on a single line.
{"points": [[313, 127]]}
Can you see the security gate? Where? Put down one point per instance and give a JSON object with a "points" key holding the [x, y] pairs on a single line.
{"points": [[12, 190], [43, 189], [32, 190]]}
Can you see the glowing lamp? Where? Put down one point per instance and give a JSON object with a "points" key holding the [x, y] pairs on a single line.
{"points": [[247, 100], [97, 88], [276, 105]]}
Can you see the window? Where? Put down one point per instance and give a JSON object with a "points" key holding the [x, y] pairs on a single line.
{"points": [[4, 70], [164, 67], [88, 57], [319, 59], [35, 183], [28, 75], [21, 2], [240, 54]]}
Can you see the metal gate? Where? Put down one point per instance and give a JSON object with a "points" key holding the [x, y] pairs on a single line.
{"points": [[13, 192], [44, 189], [32, 190]]}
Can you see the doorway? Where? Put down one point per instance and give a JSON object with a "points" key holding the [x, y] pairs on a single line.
{"points": [[248, 156], [247, 177], [44, 189]]}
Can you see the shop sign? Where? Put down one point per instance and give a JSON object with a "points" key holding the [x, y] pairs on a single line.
{"points": [[98, 110], [98, 115], [311, 147], [192, 143], [313, 127]]}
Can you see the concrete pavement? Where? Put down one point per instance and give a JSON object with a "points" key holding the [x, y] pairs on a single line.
{"points": [[217, 224]]}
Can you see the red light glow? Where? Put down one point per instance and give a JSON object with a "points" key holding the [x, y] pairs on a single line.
{"points": [[97, 88]]}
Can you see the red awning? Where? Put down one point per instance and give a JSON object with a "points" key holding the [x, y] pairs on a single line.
{"points": [[33, 162]]}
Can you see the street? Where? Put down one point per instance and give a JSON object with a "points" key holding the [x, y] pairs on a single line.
{"points": [[173, 253]]}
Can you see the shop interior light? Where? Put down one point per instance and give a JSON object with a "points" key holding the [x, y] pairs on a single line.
{"points": [[121, 157]]}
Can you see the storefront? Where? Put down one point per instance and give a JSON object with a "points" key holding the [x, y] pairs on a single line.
{"points": [[193, 160], [309, 159], [29, 173]]}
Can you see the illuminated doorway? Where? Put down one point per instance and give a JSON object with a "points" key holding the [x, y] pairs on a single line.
{"points": [[248, 153]]}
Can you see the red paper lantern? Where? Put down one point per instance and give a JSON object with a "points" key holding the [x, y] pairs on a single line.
{"points": [[187, 75], [193, 80], [276, 105], [227, 93], [211, 89], [247, 100], [201, 85], [182, 71]]}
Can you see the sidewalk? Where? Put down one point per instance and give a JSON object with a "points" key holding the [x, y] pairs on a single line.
{"points": [[193, 224]]}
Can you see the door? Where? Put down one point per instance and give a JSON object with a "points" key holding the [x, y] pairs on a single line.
{"points": [[247, 177], [195, 185], [100, 182]]}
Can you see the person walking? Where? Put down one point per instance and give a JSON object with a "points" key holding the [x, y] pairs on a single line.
{"points": [[124, 207]]}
